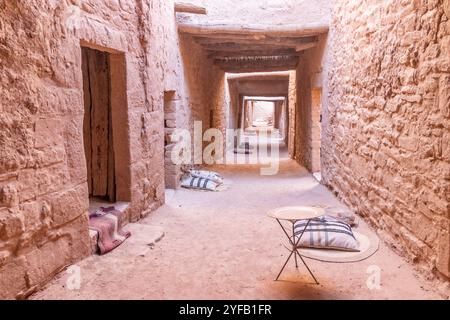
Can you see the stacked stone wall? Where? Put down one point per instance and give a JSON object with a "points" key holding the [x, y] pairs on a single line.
{"points": [[386, 137]]}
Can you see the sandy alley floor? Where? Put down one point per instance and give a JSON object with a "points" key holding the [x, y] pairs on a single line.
{"points": [[223, 246]]}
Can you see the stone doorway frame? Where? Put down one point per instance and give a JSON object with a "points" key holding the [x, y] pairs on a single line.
{"points": [[172, 172]]}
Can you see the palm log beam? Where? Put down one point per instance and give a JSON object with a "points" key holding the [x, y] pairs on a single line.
{"points": [[253, 49], [257, 64], [189, 8]]}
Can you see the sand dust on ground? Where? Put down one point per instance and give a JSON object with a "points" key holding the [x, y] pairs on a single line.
{"points": [[222, 245]]}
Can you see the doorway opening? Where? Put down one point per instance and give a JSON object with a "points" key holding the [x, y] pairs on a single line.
{"points": [[265, 113], [105, 127]]}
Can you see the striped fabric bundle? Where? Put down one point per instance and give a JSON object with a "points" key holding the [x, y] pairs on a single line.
{"points": [[244, 148], [199, 183], [210, 175], [107, 221], [326, 233]]}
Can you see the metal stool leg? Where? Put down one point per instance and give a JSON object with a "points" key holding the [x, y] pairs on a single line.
{"points": [[284, 265], [312, 275], [293, 245], [294, 250]]}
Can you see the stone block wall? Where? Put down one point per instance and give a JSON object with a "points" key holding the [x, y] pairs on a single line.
{"points": [[386, 147], [292, 106], [196, 84], [43, 178], [203, 91], [172, 172], [235, 104], [309, 84]]}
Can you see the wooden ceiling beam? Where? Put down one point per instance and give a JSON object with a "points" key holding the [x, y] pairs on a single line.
{"points": [[251, 53], [258, 65], [189, 8], [306, 46], [261, 76], [268, 41], [254, 37], [253, 30], [234, 47], [249, 69]]}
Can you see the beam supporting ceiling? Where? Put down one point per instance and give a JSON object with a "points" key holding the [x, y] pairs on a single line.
{"points": [[274, 41], [306, 46], [247, 48], [257, 64], [263, 88], [253, 30], [251, 53], [256, 98], [259, 76], [237, 47], [189, 8]]}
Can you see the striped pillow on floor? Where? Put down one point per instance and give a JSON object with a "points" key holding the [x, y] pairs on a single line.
{"points": [[199, 183], [210, 175], [326, 233]]}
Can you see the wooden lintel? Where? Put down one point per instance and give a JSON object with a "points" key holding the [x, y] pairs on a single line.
{"points": [[233, 47], [258, 65], [278, 41], [250, 53], [258, 69], [306, 46], [253, 30], [260, 76], [189, 8], [266, 98]]}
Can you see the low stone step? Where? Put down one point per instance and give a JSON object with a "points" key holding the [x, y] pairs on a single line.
{"points": [[93, 236]]}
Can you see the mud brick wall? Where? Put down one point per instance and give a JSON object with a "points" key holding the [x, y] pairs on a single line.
{"points": [[197, 93], [310, 83], [292, 103], [204, 87], [386, 139], [43, 177]]}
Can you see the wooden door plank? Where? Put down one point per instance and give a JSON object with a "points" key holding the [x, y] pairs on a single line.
{"points": [[98, 73], [87, 117]]}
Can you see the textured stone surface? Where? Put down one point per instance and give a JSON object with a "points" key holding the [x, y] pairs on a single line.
{"points": [[270, 12], [292, 106], [385, 75], [43, 178], [309, 100], [385, 147]]}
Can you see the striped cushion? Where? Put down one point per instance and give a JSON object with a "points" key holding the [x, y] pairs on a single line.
{"points": [[326, 233], [211, 175], [199, 183]]}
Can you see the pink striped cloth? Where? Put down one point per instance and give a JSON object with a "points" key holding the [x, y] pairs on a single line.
{"points": [[107, 221]]}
